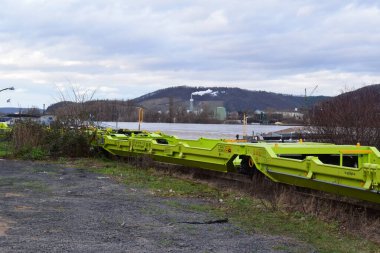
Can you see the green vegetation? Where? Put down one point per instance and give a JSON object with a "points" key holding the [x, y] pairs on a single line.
{"points": [[4, 148], [32, 141], [33, 153], [252, 214], [158, 183]]}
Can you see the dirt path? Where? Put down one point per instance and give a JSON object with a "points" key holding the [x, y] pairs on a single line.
{"points": [[50, 208]]}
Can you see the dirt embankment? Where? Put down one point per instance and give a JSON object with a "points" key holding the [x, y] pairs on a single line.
{"points": [[50, 208]]}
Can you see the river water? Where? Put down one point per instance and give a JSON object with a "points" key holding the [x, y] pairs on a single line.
{"points": [[194, 131]]}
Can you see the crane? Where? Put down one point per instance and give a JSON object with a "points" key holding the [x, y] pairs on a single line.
{"points": [[311, 93]]}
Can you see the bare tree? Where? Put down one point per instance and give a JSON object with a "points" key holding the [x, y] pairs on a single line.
{"points": [[33, 111], [75, 111], [349, 118]]}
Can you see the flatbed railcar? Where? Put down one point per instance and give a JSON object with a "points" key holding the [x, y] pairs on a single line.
{"points": [[349, 170]]}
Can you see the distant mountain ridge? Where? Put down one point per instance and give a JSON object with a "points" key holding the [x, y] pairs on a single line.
{"points": [[9, 110], [233, 99], [13, 110]]}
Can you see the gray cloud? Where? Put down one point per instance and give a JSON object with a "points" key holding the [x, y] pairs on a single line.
{"points": [[134, 47]]}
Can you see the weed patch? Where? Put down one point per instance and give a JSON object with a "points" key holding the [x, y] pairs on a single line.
{"points": [[5, 148], [158, 183], [32, 141], [34, 153]]}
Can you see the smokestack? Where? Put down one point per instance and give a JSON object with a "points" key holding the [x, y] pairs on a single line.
{"points": [[191, 103]]}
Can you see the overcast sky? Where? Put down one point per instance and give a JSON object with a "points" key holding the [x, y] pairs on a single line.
{"points": [[124, 49]]}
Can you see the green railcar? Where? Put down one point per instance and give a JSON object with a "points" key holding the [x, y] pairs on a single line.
{"points": [[4, 129], [350, 170]]}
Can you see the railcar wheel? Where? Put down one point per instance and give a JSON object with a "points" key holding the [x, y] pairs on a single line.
{"points": [[247, 166]]}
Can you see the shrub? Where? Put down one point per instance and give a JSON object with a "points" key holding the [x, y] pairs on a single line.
{"points": [[25, 136], [31, 140], [35, 153]]}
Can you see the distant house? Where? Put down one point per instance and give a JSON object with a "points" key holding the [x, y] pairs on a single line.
{"points": [[12, 118], [47, 119], [233, 115], [291, 115]]}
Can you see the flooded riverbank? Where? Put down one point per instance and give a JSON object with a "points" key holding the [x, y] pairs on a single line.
{"points": [[194, 131]]}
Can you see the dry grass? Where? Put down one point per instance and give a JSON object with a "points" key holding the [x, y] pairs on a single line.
{"points": [[350, 218], [26, 135]]}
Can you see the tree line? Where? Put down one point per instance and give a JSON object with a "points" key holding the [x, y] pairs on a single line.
{"points": [[127, 111], [350, 118]]}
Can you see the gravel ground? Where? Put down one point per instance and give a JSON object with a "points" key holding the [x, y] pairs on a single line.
{"points": [[51, 208]]}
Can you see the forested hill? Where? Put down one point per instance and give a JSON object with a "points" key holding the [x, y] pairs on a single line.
{"points": [[174, 103], [233, 99]]}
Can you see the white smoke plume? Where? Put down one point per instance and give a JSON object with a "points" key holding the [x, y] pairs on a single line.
{"points": [[204, 92]]}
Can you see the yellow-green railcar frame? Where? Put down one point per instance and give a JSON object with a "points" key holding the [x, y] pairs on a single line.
{"points": [[290, 163]]}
